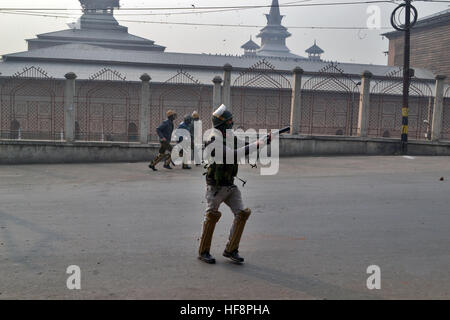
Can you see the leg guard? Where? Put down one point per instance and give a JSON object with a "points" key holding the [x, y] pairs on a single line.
{"points": [[168, 160], [158, 159], [209, 225], [237, 230]]}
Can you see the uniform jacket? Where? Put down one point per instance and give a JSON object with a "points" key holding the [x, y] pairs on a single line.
{"points": [[165, 130], [224, 174]]}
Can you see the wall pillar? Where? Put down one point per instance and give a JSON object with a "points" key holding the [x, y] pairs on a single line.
{"points": [[226, 91], [144, 110], [69, 107], [438, 111], [364, 104], [296, 102], [217, 92]]}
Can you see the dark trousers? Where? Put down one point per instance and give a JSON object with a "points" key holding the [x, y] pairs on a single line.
{"points": [[165, 147]]}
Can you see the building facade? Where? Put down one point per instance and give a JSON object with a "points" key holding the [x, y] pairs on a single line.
{"points": [[108, 103], [430, 44]]}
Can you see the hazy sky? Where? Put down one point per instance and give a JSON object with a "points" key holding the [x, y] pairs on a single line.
{"points": [[362, 46]]}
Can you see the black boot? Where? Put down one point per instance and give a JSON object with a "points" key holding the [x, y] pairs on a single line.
{"points": [[206, 257], [151, 166], [186, 167], [234, 256], [167, 166]]}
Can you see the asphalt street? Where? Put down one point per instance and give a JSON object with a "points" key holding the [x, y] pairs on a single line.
{"points": [[315, 229]]}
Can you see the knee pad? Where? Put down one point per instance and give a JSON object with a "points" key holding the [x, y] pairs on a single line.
{"points": [[245, 214], [213, 216]]}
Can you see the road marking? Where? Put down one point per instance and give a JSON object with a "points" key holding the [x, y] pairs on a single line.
{"points": [[409, 157]]}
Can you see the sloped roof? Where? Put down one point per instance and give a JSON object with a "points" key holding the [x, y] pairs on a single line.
{"points": [[250, 45], [98, 35], [96, 29], [86, 59], [314, 49]]}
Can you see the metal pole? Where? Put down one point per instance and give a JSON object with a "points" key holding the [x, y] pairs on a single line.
{"points": [[353, 106], [407, 74], [351, 113], [406, 77]]}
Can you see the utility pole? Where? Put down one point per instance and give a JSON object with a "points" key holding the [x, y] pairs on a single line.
{"points": [[407, 74]]}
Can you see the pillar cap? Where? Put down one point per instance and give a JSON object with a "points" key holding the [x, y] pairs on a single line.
{"points": [[227, 67], [367, 74], [440, 77], [70, 76], [145, 77], [298, 70], [217, 79]]}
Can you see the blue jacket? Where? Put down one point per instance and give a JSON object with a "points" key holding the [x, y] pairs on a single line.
{"points": [[165, 130], [184, 126]]}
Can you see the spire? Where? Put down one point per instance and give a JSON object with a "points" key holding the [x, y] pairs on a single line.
{"points": [[273, 36], [274, 17]]}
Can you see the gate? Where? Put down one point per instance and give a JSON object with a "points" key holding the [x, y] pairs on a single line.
{"points": [[446, 115], [330, 103], [183, 94], [385, 116], [32, 106], [107, 108], [261, 98]]}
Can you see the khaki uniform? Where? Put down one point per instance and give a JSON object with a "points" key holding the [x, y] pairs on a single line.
{"points": [[231, 196], [220, 189]]}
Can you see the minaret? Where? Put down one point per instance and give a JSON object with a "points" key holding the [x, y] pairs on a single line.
{"points": [[273, 36], [314, 52], [250, 48]]}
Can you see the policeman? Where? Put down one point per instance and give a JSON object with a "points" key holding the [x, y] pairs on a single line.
{"points": [[164, 132], [185, 125], [195, 117], [221, 189]]}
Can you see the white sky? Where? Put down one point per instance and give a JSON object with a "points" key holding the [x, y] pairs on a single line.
{"points": [[363, 46]]}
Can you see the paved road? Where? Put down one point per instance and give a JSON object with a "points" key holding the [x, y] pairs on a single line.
{"points": [[315, 229]]}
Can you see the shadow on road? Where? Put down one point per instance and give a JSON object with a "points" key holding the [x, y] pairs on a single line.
{"points": [[312, 287]]}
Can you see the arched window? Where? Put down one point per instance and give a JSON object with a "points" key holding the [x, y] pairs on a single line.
{"points": [[14, 130], [77, 131], [132, 132]]}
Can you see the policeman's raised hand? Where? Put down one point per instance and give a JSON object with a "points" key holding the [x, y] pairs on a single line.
{"points": [[269, 138]]}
